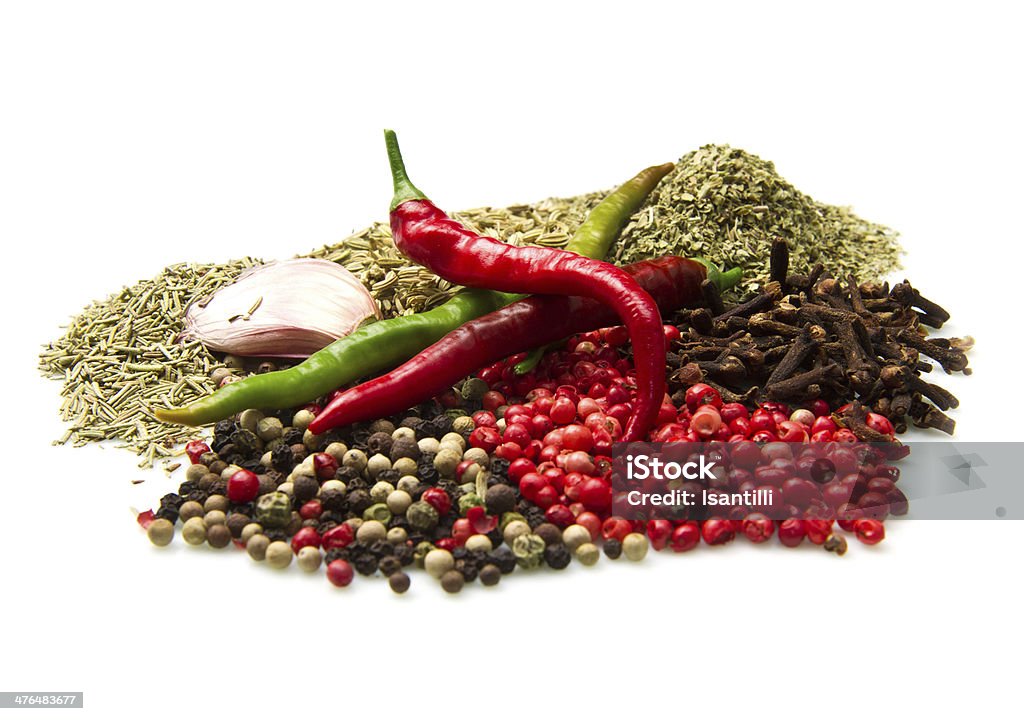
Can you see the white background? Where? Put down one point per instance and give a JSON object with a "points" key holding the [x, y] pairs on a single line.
{"points": [[135, 135]]}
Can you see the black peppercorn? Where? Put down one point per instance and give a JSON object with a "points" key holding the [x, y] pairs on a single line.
{"points": [[293, 436], [405, 448], [503, 558], [499, 469], [399, 582], [613, 548], [282, 459], [305, 488], [365, 563], [358, 501], [549, 532], [490, 575], [500, 499], [347, 475], [389, 565], [336, 554], [236, 522], [442, 423], [379, 443], [467, 569], [381, 548], [404, 553], [218, 488], [557, 556], [333, 499]]}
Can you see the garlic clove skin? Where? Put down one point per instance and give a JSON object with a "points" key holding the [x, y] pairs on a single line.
{"points": [[285, 309]]}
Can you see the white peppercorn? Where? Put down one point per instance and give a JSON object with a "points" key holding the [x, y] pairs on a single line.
{"points": [[215, 518], [160, 532], [575, 536], [250, 530], [250, 419], [408, 483], [196, 471], [403, 432], [371, 531], [404, 466], [190, 509], [267, 459], [398, 502], [194, 531], [588, 554], [397, 535], [269, 429], [311, 440], [428, 445], [454, 438], [288, 488], [257, 546], [380, 491], [302, 419], [463, 424], [333, 485], [514, 530], [634, 546], [337, 451], [376, 465], [445, 462], [229, 471], [438, 562], [478, 456], [479, 542], [308, 558], [278, 554]]}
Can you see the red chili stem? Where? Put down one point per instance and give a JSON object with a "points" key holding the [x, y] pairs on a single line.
{"points": [[672, 281], [424, 234]]}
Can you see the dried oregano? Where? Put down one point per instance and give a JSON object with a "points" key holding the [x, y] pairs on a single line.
{"points": [[727, 205]]}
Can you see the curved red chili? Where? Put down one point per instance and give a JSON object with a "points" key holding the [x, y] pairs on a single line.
{"points": [[672, 281], [423, 233]]}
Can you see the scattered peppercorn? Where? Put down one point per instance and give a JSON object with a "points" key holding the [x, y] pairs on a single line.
{"points": [[399, 582], [613, 548], [160, 532], [452, 581]]}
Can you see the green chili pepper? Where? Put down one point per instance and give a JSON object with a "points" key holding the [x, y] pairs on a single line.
{"points": [[385, 344]]}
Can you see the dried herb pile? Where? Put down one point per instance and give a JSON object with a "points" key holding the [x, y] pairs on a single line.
{"points": [[808, 336], [119, 355], [728, 205]]}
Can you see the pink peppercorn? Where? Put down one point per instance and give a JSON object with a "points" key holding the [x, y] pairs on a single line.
{"points": [[340, 573]]}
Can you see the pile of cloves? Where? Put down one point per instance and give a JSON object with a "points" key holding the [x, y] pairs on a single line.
{"points": [[809, 336]]}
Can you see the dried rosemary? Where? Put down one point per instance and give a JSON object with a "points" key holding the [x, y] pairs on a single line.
{"points": [[727, 205]]}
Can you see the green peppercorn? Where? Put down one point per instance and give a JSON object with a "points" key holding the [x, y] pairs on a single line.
{"points": [[452, 581], [422, 516], [308, 558], [473, 389], [160, 532], [399, 582], [575, 536], [490, 575], [438, 561], [190, 509], [377, 512], [419, 554], [634, 546], [257, 547], [588, 554], [469, 500], [279, 555], [218, 536], [528, 550], [194, 531], [274, 510]]}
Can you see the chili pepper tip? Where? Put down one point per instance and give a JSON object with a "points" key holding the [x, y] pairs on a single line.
{"points": [[404, 189]]}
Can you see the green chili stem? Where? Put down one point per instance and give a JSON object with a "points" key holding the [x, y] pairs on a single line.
{"points": [[404, 189]]}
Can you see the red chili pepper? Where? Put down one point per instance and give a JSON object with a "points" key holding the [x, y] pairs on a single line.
{"points": [[672, 281], [424, 234]]}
